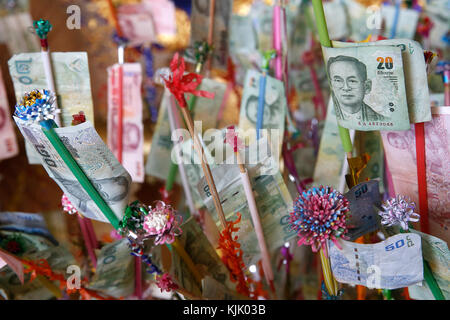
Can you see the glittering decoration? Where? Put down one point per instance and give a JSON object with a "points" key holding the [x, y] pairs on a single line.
{"points": [[327, 296], [165, 283], [319, 215], [201, 51], [231, 137], [42, 27], [178, 83], [232, 256], [162, 222], [398, 211], [36, 106], [67, 205]]}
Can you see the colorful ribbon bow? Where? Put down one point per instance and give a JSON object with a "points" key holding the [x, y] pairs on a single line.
{"points": [[178, 83]]}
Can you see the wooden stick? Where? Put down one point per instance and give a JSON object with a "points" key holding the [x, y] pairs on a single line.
{"points": [[206, 170], [212, 8]]}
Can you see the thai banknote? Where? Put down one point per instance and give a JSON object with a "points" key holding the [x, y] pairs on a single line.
{"points": [[204, 110], [272, 199], [59, 258], [16, 33], [115, 274], [132, 127], [108, 176], [336, 18], [274, 110], [331, 155], [200, 28], [370, 142], [136, 23], [415, 73], [437, 11], [163, 13], [31, 223], [8, 140], [378, 20], [202, 254], [406, 24], [400, 149], [381, 265], [368, 87], [364, 199], [436, 253], [72, 82], [31, 242], [214, 290]]}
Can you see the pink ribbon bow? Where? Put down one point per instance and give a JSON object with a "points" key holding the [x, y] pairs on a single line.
{"points": [[179, 84]]}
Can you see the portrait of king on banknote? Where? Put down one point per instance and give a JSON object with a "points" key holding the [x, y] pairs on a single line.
{"points": [[368, 87], [350, 85]]}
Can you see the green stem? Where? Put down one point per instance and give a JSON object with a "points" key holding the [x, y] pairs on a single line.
{"points": [[325, 41], [48, 129]]}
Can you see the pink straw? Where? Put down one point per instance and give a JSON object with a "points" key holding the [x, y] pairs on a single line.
{"points": [[87, 242], [91, 232], [277, 42]]}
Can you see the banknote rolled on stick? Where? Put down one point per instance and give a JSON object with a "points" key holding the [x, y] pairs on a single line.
{"points": [[48, 127]]}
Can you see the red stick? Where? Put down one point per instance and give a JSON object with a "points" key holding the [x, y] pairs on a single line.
{"points": [[120, 115], [422, 177]]}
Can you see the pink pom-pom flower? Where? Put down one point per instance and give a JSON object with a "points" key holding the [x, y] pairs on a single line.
{"points": [[162, 222], [165, 283], [319, 215]]}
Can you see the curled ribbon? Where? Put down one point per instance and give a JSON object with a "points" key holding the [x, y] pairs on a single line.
{"points": [[178, 83]]}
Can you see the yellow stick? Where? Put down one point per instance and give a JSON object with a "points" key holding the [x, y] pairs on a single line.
{"points": [[187, 259], [330, 282]]}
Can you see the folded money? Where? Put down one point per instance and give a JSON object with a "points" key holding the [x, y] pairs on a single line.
{"points": [[204, 112], [31, 223], [108, 176], [400, 149], [415, 74], [368, 87], [271, 194], [132, 128], [200, 25], [72, 81], [202, 254], [115, 271], [58, 258], [15, 32], [381, 265], [136, 23], [364, 199], [274, 110], [436, 253]]}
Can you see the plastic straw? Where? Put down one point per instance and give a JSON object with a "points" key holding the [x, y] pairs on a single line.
{"points": [[325, 41], [48, 129]]}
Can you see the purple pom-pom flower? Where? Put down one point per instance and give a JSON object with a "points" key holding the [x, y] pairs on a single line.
{"points": [[398, 211], [319, 215]]}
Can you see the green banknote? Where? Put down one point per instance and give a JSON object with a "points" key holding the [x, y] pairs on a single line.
{"points": [[203, 255], [204, 110], [59, 258], [368, 87], [415, 73], [271, 194], [435, 252], [331, 155], [200, 28], [115, 270], [72, 82], [274, 110]]}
